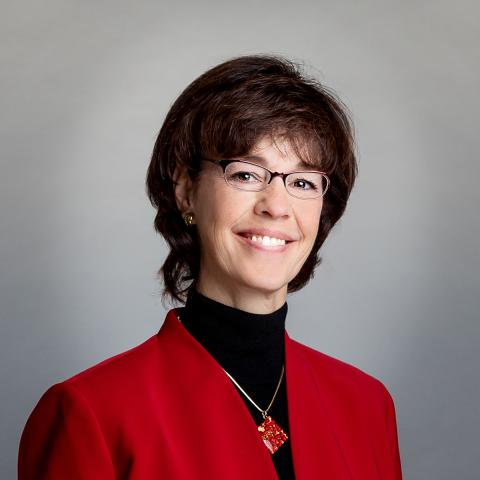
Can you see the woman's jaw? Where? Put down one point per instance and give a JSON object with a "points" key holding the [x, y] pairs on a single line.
{"points": [[243, 297]]}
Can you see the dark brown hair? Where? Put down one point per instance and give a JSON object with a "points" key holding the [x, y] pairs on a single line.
{"points": [[223, 114]]}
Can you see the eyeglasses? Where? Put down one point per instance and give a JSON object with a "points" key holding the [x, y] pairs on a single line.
{"points": [[251, 177]]}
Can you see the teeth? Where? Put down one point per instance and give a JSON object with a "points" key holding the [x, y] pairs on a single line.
{"points": [[267, 241]]}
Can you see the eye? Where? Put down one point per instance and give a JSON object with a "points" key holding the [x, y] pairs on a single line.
{"points": [[303, 184], [244, 177]]}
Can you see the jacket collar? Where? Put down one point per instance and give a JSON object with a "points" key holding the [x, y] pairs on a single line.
{"points": [[231, 430]]}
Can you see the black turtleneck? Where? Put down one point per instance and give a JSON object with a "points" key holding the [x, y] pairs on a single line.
{"points": [[251, 348]]}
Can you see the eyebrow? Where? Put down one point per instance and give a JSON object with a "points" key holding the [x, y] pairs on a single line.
{"points": [[262, 161]]}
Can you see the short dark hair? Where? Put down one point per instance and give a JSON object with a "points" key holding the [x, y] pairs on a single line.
{"points": [[223, 114]]}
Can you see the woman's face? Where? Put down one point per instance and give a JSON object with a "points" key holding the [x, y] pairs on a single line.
{"points": [[234, 266]]}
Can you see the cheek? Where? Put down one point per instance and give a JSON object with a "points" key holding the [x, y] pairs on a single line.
{"points": [[217, 215], [310, 221]]}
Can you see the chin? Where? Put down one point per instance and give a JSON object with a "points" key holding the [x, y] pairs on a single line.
{"points": [[265, 285]]}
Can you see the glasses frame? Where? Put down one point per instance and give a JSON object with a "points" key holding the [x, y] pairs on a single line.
{"points": [[225, 163]]}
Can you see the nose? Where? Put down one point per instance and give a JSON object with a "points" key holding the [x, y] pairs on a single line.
{"points": [[274, 201]]}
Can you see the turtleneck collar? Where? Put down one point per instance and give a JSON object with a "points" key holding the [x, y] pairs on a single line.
{"points": [[249, 346]]}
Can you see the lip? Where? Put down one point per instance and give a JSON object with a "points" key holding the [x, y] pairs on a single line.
{"points": [[265, 232]]}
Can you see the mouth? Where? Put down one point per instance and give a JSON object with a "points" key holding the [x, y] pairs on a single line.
{"points": [[266, 240]]}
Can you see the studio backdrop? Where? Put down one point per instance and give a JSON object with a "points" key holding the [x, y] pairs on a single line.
{"points": [[85, 87]]}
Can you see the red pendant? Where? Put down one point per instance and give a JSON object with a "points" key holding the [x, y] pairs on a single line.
{"points": [[272, 435]]}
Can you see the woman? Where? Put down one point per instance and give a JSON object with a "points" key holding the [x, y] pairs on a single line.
{"points": [[252, 168]]}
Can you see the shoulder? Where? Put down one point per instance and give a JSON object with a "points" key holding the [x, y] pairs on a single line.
{"points": [[107, 384], [103, 391], [127, 366], [342, 379]]}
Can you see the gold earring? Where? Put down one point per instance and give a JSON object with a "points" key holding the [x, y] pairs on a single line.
{"points": [[188, 219]]}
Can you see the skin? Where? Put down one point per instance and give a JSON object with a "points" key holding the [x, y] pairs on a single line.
{"points": [[233, 270]]}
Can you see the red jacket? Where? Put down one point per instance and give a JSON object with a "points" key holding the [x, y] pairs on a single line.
{"points": [[166, 410]]}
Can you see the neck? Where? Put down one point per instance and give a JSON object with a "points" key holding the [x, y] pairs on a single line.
{"points": [[249, 346]]}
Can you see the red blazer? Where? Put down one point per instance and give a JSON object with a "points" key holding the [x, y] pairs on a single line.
{"points": [[166, 410]]}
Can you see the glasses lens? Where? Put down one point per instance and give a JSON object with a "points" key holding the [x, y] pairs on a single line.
{"points": [[307, 184], [246, 176]]}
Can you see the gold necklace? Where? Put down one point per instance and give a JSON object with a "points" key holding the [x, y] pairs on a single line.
{"points": [[270, 432]]}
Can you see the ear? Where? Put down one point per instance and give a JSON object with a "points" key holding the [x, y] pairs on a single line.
{"points": [[183, 190]]}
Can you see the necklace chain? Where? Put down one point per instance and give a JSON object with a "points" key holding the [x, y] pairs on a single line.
{"points": [[264, 412], [270, 432]]}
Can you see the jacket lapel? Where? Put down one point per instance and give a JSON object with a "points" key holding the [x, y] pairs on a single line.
{"points": [[315, 446], [219, 427]]}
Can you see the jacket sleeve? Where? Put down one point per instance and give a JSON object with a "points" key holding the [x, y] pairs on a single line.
{"points": [[393, 438], [62, 439]]}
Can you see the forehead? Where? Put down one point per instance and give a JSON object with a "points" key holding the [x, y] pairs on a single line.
{"points": [[276, 152]]}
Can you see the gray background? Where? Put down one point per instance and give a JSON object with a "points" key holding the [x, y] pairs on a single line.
{"points": [[84, 89]]}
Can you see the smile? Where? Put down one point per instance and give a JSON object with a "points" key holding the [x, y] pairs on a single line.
{"points": [[266, 241]]}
